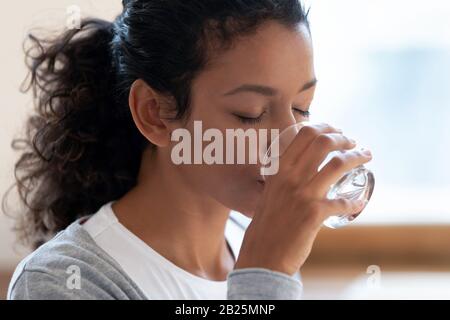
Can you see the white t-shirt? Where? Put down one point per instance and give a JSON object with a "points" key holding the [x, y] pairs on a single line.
{"points": [[156, 276]]}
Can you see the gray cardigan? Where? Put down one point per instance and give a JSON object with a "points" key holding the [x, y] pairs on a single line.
{"points": [[48, 273]]}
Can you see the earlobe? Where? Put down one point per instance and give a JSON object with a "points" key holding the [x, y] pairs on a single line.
{"points": [[144, 103]]}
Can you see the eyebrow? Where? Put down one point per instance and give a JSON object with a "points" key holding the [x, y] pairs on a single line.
{"points": [[266, 91]]}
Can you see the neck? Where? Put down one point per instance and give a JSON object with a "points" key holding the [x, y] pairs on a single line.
{"points": [[184, 227]]}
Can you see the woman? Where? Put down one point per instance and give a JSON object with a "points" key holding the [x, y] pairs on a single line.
{"points": [[97, 167]]}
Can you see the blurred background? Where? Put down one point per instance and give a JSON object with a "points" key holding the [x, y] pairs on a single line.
{"points": [[384, 78]]}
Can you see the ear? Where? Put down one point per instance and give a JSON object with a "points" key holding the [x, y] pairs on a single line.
{"points": [[145, 106]]}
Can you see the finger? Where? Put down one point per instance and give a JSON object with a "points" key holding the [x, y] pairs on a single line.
{"points": [[317, 152], [303, 139], [343, 207], [336, 168]]}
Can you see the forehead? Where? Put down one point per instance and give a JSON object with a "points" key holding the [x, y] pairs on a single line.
{"points": [[274, 54]]}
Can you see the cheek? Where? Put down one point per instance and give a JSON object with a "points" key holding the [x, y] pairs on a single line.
{"points": [[234, 186], [233, 178], [238, 176]]}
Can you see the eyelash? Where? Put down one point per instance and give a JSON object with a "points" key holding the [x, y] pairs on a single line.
{"points": [[247, 120]]}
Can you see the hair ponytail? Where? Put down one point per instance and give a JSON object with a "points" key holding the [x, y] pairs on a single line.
{"points": [[81, 149]]}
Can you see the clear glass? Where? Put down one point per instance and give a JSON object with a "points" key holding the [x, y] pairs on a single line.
{"points": [[357, 184]]}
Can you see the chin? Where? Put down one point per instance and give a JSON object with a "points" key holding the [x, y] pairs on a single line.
{"points": [[246, 199], [248, 206], [254, 197], [249, 215]]}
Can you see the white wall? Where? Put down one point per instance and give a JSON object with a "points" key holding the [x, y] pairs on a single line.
{"points": [[16, 18]]}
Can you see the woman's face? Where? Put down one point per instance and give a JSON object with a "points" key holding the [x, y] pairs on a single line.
{"points": [[276, 58]]}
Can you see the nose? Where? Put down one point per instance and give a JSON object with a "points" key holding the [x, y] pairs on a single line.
{"points": [[286, 119], [281, 123]]}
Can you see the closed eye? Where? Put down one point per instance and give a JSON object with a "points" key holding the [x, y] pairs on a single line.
{"points": [[250, 120], [258, 119], [304, 113]]}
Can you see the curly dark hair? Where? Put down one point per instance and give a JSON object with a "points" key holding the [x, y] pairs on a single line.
{"points": [[81, 148]]}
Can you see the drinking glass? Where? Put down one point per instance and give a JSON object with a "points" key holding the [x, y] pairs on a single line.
{"points": [[357, 184]]}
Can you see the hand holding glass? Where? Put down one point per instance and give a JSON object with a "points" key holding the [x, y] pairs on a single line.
{"points": [[358, 184]]}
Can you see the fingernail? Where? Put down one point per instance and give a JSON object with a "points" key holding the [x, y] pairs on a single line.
{"points": [[367, 153], [361, 203], [352, 141]]}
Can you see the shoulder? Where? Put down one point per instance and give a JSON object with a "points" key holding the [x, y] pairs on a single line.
{"points": [[71, 266]]}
